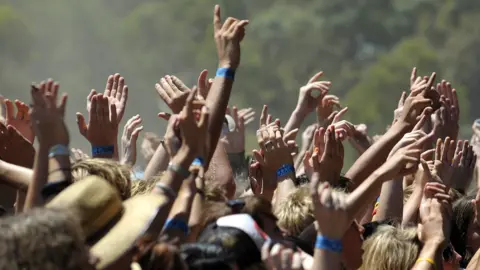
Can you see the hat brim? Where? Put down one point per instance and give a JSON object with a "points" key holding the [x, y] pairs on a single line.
{"points": [[140, 216]]}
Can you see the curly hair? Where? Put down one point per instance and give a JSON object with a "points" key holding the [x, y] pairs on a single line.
{"points": [[44, 238], [116, 174]]}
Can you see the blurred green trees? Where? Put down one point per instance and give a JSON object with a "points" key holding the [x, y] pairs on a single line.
{"points": [[367, 48]]}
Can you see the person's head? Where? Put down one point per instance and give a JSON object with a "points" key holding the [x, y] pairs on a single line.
{"points": [[296, 211], [451, 258], [116, 174], [43, 239], [160, 256], [141, 187], [111, 226], [465, 234], [258, 208], [238, 237], [391, 248], [207, 256]]}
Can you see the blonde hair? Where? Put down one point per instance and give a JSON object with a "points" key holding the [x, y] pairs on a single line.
{"points": [[43, 238], [391, 248], [296, 212], [116, 174], [140, 187]]}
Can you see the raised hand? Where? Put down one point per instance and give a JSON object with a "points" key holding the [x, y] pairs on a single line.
{"points": [[405, 160], [281, 258], [47, 115], [248, 115], [149, 145], [399, 109], [330, 209], [14, 148], [435, 215], [464, 163], [265, 118], [102, 128], [234, 141], [417, 101], [204, 84], [117, 94], [77, 155], [227, 39], [443, 169], [329, 163], [173, 92], [446, 118], [410, 137], [255, 177], [307, 99], [129, 140], [275, 151], [326, 107], [193, 133], [21, 120]]}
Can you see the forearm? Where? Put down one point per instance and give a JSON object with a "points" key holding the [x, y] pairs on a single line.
{"points": [[195, 220], [181, 210], [158, 163], [217, 102], [365, 194], [410, 213], [391, 201], [40, 178], [173, 181], [295, 121], [15, 176], [326, 260], [286, 185], [376, 155], [431, 251]]}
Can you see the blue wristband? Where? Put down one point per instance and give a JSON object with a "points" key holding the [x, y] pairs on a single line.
{"points": [[328, 244], [198, 161], [226, 73], [59, 150], [176, 224], [285, 169], [102, 150], [179, 170]]}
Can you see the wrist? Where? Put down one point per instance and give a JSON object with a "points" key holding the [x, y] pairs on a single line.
{"points": [[401, 126], [184, 156], [227, 64], [435, 243], [300, 112], [333, 244]]}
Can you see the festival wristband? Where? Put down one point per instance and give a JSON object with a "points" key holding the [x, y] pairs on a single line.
{"points": [[198, 162], [176, 224], [226, 73], [430, 261], [285, 170], [59, 150], [178, 169], [328, 244], [102, 150]]}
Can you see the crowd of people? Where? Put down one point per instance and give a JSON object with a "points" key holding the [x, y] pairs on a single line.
{"points": [[409, 201]]}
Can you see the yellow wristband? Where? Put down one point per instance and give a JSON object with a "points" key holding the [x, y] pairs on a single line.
{"points": [[430, 261]]}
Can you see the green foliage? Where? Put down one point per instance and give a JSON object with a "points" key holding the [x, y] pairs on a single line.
{"points": [[367, 48]]}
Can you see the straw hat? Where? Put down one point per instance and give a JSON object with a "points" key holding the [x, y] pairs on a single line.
{"points": [[111, 227]]}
